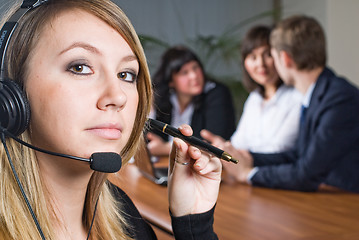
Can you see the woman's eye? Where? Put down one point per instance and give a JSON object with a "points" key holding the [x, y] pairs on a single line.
{"points": [[267, 54], [127, 76], [252, 57], [80, 69], [183, 73], [195, 67]]}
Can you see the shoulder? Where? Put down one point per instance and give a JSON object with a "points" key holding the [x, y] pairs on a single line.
{"points": [[335, 101], [333, 88], [124, 200], [217, 93], [212, 87], [139, 228], [254, 98], [287, 95]]}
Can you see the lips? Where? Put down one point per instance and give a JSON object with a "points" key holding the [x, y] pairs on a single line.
{"points": [[262, 72], [106, 131]]}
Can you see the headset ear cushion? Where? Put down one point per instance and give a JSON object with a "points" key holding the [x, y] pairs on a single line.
{"points": [[14, 108]]}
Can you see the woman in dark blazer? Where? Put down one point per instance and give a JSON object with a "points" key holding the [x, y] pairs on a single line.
{"points": [[184, 94]]}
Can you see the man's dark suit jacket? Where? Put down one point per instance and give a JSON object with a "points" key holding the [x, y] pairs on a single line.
{"points": [[327, 150]]}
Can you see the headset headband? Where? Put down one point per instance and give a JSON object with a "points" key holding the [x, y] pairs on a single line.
{"points": [[9, 27], [14, 106]]}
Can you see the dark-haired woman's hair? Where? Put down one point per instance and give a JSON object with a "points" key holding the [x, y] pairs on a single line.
{"points": [[256, 37], [172, 61]]}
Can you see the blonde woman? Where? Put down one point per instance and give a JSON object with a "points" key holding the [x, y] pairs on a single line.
{"points": [[84, 75]]}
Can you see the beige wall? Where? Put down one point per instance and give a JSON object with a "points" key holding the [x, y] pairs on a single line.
{"points": [[343, 37], [340, 19]]}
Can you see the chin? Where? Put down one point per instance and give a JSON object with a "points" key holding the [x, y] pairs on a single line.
{"points": [[115, 150], [288, 83], [196, 93]]}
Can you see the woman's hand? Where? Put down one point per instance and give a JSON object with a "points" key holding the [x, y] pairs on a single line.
{"points": [[194, 178]]}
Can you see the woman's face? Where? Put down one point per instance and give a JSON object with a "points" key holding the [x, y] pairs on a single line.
{"points": [[81, 86], [260, 66], [189, 80]]}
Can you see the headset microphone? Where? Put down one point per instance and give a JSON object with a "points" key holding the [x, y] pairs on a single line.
{"points": [[107, 162]]}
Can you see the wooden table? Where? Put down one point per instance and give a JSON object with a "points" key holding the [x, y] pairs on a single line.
{"points": [[253, 213]]}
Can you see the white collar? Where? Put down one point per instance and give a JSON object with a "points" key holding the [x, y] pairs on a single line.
{"points": [[308, 95]]}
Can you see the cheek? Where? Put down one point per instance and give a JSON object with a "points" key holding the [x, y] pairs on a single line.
{"points": [[135, 102], [270, 65], [179, 83], [132, 105], [129, 116], [50, 117], [52, 106], [269, 62], [200, 76], [41, 101], [249, 66], [277, 66]]}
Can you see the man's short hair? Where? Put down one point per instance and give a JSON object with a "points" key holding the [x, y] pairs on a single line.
{"points": [[303, 39]]}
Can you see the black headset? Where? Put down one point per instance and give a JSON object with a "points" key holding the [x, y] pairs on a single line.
{"points": [[15, 114], [14, 106]]}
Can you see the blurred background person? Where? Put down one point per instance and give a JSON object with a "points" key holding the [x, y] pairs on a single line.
{"points": [[184, 94], [326, 154], [270, 118]]}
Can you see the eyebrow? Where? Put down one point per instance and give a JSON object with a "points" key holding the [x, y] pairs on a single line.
{"points": [[129, 58], [81, 45], [90, 48]]}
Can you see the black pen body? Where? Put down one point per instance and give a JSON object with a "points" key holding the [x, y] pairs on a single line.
{"points": [[194, 141]]}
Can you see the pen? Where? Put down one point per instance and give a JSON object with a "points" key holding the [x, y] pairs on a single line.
{"points": [[174, 132]]}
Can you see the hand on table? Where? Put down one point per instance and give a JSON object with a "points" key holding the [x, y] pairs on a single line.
{"points": [[192, 188], [239, 171]]}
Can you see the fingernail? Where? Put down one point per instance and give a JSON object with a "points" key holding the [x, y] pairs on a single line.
{"points": [[179, 147], [184, 127]]}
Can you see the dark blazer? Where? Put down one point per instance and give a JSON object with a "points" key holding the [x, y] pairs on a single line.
{"points": [[327, 150], [213, 111], [193, 226]]}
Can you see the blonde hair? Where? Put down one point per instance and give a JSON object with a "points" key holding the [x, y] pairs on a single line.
{"points": [[15, 219]]}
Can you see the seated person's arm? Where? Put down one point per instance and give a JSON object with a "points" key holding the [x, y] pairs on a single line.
{"points": [[157, 146]]}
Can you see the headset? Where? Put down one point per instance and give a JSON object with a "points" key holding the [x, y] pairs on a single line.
{"points": [[14, 106], [15, 113]]}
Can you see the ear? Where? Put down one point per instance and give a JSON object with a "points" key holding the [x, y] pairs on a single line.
{"points": [[286, 59]]}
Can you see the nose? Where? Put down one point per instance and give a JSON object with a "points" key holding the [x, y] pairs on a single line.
{"points": [[113, 97], [260, 61], [192, 74]]}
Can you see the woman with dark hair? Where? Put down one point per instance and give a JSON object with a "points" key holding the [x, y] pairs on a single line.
{"points": [[270, 119], [184, 94]]}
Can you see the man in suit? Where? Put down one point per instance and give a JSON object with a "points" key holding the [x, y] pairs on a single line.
{"points": [[326, 155]]}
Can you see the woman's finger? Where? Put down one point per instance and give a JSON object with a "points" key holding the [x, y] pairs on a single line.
{"points": [[178, 154], [186, 130]]}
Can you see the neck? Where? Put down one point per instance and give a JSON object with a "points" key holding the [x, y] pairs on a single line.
{"points": [[67, 190], [184, 101], [303, 79], [269, 91]]}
